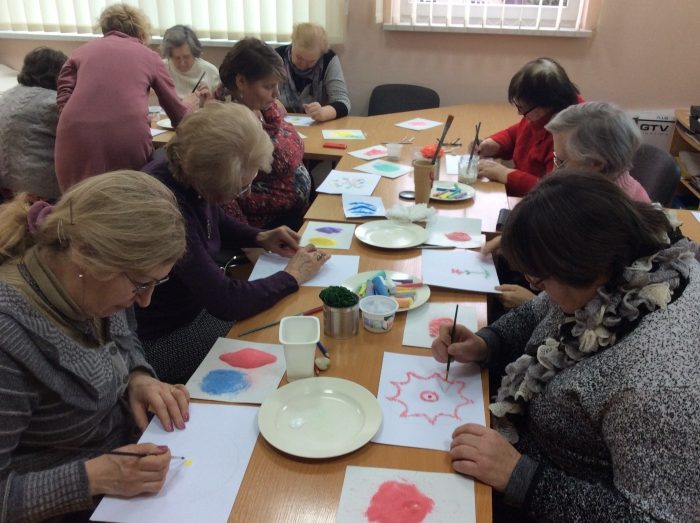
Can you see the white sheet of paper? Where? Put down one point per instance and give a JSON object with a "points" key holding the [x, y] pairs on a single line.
{"points": [[463, 233], [299, 121], [357, 206], [452, 163], [465, 270], [302, 136], [420, 409], [328, 235], [418, 124], [345, 182], [367, 493], [217, 443], [343, 134], [385, 168], [238, 371], [369, 153], [156, 132], [697, 215], [423, 323], [336, 270]]}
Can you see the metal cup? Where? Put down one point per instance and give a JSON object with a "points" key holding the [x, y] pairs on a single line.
{"points": [[341, 322]]}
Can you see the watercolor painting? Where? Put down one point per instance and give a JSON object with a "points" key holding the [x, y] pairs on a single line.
{"points": [[238, 371], [418, 124], [420, 407], [450, 231], [423, 324], [343, 134], [300, 121], [381, 495], [328, 235], [356, 206], [345, 182], [385, 168], [370, 153], [460, 269]]}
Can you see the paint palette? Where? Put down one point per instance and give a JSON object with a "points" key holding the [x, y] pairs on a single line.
{"points": [[451, 192], [319, 417], [422, 293]]}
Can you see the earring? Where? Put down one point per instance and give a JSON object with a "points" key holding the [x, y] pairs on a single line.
{"points": [[80, 275]]}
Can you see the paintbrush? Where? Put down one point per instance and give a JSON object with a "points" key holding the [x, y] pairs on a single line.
{"points": [[273, 323], [452, 340], [475, 144], [110, 452], [448, 123], [198, 82]]}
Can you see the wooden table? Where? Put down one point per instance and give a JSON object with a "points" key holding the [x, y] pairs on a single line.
{"points": [[691, 226], [279, 487], [684, 140]]}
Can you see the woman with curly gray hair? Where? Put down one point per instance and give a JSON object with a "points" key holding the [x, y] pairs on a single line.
{"points": [[182, 55]]}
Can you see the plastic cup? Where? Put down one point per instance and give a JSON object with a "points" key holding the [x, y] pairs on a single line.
{"points": [[378, 313], [393, 151], [424, 174], [299, 335]]}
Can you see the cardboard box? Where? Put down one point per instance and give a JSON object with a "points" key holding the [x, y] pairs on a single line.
{"points": [[656, 126]]}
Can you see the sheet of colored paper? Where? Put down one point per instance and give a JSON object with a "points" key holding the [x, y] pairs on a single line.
{"points": [[343, 134], [420, 407], [370, 153], [238, 371], [423, 324], [395, 495], [465, 270], [385, 168], [463, 233], [217, 443], [328, 235], [418, 124], [356, 206], [336, 270], [345, 182], [299, 121]]}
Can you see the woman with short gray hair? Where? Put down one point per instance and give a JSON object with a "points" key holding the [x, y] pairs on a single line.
{"points": [[182, 55], [601, 137]]}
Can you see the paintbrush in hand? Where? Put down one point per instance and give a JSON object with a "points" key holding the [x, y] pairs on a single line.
{"points": [[452, 340]]}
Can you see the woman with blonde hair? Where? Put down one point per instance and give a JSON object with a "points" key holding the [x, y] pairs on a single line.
{"points": [[103, 99], [214, 157], [314, 84], [75, 381]]}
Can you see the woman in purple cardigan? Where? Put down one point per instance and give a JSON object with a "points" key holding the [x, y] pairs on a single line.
{"points": [[213, 158]]}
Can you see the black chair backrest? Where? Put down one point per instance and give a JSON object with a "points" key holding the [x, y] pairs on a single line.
{"points": [[657, 171], [396, 98]]}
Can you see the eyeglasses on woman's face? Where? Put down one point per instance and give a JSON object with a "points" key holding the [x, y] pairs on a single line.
{"points": [[522, 111], [558, 162], [536, 283], [140, 288]]}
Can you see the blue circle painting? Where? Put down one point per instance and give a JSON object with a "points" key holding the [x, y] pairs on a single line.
{"points": [[225, 382]]}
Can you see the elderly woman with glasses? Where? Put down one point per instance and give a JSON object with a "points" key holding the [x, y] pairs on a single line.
{"points": [[215, 155], [75, 382], [596, 415], [539, 90], [182, 55]]}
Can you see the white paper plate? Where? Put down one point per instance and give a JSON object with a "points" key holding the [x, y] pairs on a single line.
{"points": [[467, 192], [319, 417], [422, 293], [391, 234], [165, 124]]}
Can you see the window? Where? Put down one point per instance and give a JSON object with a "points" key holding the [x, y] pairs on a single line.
{"points": [[214, 21], [538, 17]]}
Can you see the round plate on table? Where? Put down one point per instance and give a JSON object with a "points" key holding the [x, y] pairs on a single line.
{"points": [[391, 234], [465, 191], [319, 417], [165, 124], [422, 293]]}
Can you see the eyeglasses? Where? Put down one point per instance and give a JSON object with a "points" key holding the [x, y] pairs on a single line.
{"points": [[140, 288], [535, 283], [524, 113], [558, 162], [245, 190]]}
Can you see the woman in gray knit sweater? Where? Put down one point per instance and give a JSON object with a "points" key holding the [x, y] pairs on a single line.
{"points": [[596, 415], [73, 379]]}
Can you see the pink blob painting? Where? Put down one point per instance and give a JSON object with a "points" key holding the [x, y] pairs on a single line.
{"points": [[458, 236], [434, 325], [396, 502], [248, 358]]}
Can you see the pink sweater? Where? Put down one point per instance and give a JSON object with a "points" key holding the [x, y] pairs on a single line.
{"points": [[632, 187]]}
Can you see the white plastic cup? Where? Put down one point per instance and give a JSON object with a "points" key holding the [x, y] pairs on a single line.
{"points": [[378, 313], [393, 151], [299, 335]]}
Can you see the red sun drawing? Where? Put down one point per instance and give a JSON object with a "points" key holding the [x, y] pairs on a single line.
{"points": [[431, 396]]}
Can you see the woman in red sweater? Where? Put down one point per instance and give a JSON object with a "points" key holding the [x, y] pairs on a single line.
{"points": [[539, 90]]}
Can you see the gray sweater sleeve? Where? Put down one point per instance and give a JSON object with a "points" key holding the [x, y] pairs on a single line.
{"points": [[335, 87]]}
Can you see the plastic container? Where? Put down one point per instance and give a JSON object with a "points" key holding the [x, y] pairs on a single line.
{"points": [[299, 335], [378, 313], [468, 171]]}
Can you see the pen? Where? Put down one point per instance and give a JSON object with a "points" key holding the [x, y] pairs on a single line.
{"points": [[452, 340], [198, 82], [323, 349]]}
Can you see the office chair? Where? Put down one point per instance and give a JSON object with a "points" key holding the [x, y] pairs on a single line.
{"points": [[657, 171], [396, 98]]}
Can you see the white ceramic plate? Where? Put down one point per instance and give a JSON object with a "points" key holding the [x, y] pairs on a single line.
{"points": [[319, 417], [165, 123], [422, 293], [391, 234], [466, 191]]}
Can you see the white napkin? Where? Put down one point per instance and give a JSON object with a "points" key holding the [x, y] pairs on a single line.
{"points": [[410, 213]]}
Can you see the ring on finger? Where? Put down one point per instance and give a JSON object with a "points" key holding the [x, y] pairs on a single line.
{"points": [[320, 256]]}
